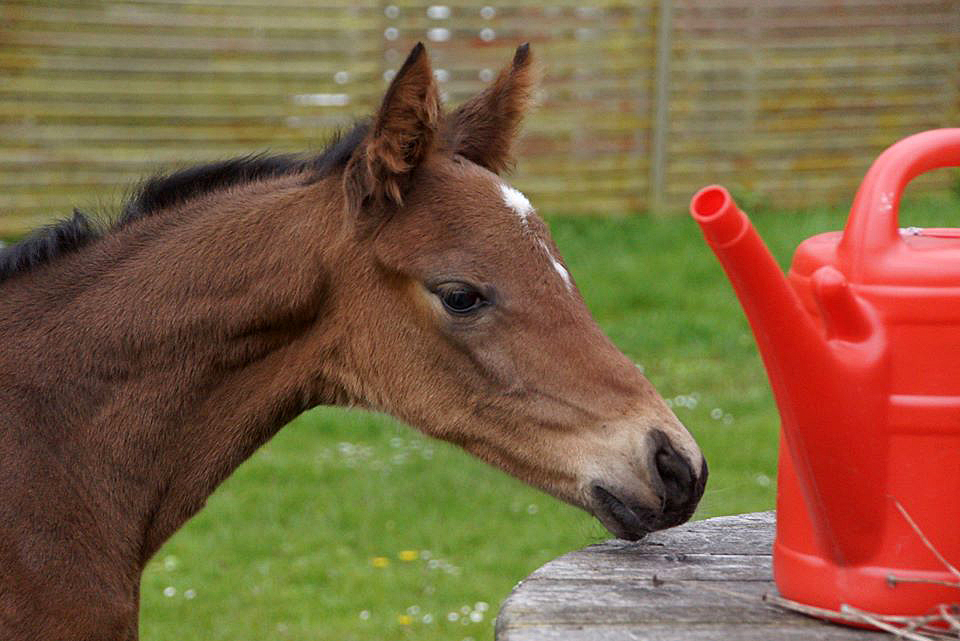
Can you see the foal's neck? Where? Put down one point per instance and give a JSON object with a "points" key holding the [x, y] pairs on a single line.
{"points": [[202, 332]]}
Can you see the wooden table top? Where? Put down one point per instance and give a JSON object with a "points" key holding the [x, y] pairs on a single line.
{"points": [[700, 581]]}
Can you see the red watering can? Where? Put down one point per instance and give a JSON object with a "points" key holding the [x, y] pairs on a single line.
{"points": [[861, 342]]}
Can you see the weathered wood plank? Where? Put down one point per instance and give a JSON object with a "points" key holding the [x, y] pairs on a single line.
{"points": [[712, 632], [704, 580], [653, 566], [750, 534], [571, 602]]}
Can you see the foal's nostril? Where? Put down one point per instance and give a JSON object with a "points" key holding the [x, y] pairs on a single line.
{"points": [[672, 477], [676, 475]]}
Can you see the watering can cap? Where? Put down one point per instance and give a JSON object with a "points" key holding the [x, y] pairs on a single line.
{"points": [[873, 248]]}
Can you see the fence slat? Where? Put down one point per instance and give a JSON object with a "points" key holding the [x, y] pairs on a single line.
{"points": [[641, 102]]}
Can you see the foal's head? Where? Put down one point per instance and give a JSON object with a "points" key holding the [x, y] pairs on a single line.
{"points": [[463, 320]]}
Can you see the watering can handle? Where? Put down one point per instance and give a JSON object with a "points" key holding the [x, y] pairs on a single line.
{"points": [[873, 226]]}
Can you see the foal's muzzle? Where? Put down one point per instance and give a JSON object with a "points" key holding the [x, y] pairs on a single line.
{"points": [[677, 486]]}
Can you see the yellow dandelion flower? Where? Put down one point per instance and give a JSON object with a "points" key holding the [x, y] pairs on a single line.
{"points": [[408, 555], [379, 561], [405, 619]]}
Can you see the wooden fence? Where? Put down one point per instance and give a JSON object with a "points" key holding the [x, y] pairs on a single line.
{"points": [[641, 103]]}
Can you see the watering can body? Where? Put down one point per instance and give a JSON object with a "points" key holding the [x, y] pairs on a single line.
{"points": [[861, 342]]}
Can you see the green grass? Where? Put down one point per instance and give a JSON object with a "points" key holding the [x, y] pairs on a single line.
{"points": [[308, 540]]}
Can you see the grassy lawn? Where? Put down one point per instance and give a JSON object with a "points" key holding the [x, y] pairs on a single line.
{"points": [[350, 526]]}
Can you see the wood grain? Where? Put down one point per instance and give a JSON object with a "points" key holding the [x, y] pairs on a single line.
{"points": [[703, 580]]}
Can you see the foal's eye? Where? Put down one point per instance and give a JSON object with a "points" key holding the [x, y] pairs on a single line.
{"points": [[459, 298]]}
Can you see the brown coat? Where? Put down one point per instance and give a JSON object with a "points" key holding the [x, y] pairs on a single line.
{"points": [[141, 364]]}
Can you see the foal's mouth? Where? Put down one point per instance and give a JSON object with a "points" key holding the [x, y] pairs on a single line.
{"points": [[627, 523], [632, 521]]}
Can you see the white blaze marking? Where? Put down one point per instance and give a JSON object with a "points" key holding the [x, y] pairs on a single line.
{"points": [[564, 274], [517, 202], [521, 206]]}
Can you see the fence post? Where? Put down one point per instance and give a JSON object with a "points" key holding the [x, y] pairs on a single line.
{"points": [[661, 114]]}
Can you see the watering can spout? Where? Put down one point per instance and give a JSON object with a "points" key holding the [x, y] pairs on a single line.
{"points": [[719, 217], [783, 330], [808, 362]]}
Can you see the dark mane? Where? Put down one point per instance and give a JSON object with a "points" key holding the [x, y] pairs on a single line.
{"points": [[161, 192], [48, 242]]}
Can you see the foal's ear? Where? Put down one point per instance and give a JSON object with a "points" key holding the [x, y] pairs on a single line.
{"points": [[484, 127], [400, 136]]}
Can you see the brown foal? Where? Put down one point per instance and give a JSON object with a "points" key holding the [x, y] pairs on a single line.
{"points": [[141, 362]]}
